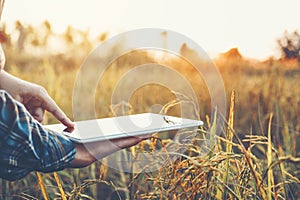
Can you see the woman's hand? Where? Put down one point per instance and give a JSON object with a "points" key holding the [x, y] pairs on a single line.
{"points": [[34, 97], [88, 153]]}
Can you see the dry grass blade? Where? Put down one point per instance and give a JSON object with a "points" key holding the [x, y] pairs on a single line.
{"points": [[189, 100], [181, 99], [26, 197], [103, 169], [230, 123], [248, 158], [290, 159], [228, 146], [42, 186], [171, 104], [244, 177], [227, 188], [213, 133], [62, 193], [76, 193], [269, 158]]}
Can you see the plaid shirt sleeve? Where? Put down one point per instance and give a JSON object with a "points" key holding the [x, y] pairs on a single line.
{"points": [[26, 146]]}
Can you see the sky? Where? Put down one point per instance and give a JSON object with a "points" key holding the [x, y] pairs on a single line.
{"points": [[216, 25]]}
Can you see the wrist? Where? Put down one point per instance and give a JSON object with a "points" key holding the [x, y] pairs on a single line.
{"points": [[83, 157], [9, 83], [2, 78], [5, 80]]}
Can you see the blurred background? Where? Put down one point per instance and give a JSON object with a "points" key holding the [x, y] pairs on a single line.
{"points": [[254, 44], [217, 26]]}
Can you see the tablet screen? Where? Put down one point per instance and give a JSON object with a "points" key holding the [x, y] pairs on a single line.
{"points": [[123, 126]]}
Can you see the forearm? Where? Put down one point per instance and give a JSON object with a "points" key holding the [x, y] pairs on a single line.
{"points": [[5, 80], [3, 77], [12, 84], [83, 157], [26, 146]]}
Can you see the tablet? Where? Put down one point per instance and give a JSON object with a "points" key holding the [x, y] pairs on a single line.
{"points": [[122, 126]]}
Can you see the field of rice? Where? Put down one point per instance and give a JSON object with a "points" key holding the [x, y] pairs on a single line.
{"points": [[250, 152]]}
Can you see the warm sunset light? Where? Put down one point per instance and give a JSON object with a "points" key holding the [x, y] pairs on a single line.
{"points": [[150, 99], [217, 26]]}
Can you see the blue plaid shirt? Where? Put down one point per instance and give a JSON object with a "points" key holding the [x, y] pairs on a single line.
{"points": [[26, 146]]}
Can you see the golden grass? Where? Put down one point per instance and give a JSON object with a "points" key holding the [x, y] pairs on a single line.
{"points": [[255, 157], [42, 186], [60, 188], [269, 158]]}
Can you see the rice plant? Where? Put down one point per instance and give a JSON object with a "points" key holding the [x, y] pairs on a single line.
{"points": [[256, 156]]}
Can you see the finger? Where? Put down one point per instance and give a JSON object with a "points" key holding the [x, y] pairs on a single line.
{"points": [[38, 113], [126, 142], [103, 148], [49, 105], [144, 137]]}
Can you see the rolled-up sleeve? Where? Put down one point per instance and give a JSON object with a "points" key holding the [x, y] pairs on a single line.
{"points": [[26, 146]]}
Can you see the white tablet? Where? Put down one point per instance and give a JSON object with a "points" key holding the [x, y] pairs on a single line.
{"points": [[122, 126]]}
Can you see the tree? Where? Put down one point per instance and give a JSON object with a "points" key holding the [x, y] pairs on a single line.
{"points": [[289, 46]]}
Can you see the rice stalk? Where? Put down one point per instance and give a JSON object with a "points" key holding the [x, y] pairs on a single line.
{"points": [[229, 137], [289, 158], [93, 176], [248, 157], [244, 178], [269, 158], [103, 169], [76, 193], [282, 169], [42, 186], [230, 123], [59, 185], [207, 121], [227, 188], [26, 197], [213, 133], [187, 99], [222, 191], [76, 176]]}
